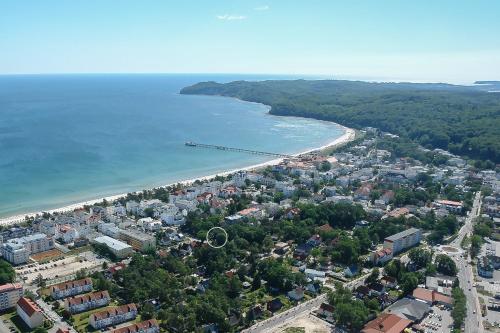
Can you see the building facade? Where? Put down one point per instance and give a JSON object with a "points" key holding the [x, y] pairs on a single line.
{"points": [[113, 316], [18, 250], [148, 326], [71, 288], [86, 302], [10, 294], [138, 240], [403, 240], [29, 312]]}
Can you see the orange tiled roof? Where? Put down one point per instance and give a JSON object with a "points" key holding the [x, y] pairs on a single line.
{"points": [[88, 297], [71, 284], [28, 306], [386, 323], [137, 327], [114, 311]]}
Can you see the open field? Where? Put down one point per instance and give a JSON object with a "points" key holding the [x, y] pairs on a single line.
{"points": [[42, 257], [306, 324], [57, 270]]}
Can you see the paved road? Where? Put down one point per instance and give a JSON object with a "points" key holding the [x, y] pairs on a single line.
{"points": [[271, 324], [473, 321], [53, 316]]}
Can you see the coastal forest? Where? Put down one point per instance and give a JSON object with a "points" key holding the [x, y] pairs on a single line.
{"points": [[463, 120]]}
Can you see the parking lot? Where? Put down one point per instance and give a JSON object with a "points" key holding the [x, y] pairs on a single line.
{"points": [[438, 321], [56, 269]]}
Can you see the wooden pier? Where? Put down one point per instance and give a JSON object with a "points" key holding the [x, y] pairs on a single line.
{"points": [[238, 150]]}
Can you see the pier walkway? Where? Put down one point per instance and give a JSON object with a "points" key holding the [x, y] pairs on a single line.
{"points": [[239, 150]]}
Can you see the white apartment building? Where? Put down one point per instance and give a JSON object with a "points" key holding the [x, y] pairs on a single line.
{"points": [[13, 251], [71, 288], [113, 316], [86, 302], [10, 293], [403, 240]]}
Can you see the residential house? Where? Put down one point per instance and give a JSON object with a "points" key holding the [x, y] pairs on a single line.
{"points": [[449, 205], [326, 311], [148, 326], [29, 312], [381, 256], [86, 302], [71, 288], [274, 305], [10, 293], [113, 316], [386, 323], [296, 294]]}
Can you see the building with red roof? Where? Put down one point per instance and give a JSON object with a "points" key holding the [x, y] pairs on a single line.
{"points": [[386, 323], [431, 297], [86, 302], [113, 316], [29, 312], [148, 326]]}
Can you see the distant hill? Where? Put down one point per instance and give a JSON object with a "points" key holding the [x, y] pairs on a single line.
{"points": [[461, 119]]}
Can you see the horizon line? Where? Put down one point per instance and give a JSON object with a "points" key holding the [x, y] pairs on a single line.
{"points": [[308, 76]]}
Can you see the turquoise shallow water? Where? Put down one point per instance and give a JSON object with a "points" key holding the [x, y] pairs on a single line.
{"points": [[70, 138]]}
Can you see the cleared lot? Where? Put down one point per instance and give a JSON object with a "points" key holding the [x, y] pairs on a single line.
{"points": [[58, 269]]}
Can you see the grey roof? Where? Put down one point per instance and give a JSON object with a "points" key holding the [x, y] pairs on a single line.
{"points": [[112, 243], [136, 235], [410, 309], [402, 234]]}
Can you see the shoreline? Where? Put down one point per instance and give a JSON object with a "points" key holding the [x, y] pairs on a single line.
{"points": [[349, 135]]}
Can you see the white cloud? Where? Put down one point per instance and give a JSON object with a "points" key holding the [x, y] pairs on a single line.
{"points": [[266, 7], [228, 17]]}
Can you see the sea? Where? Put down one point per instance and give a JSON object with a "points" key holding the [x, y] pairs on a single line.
{"points": [[66, 139]]}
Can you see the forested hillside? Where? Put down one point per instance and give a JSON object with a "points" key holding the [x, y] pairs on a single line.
{"points": [[461, 119]]}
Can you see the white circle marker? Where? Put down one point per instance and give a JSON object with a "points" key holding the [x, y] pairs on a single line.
{"points": [[214, 246]]}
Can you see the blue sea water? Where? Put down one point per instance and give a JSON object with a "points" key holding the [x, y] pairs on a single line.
{"points": [[70, 138]]}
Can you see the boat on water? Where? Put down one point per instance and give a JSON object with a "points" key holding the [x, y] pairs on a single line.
{"points": [[191, 144]]}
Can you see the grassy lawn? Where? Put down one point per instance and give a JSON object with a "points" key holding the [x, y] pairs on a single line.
{"points": [[254, 297], [394, 293], [81, 320], [295, 330], [12, 318]]}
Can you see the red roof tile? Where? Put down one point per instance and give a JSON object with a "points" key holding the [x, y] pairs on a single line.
{"points": [[386, 323], [28, 306]]}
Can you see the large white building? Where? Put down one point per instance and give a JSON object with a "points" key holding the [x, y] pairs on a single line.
{"points": [[10, 293], [118, 248], [29, 312], [18, 250], [403, 240]]}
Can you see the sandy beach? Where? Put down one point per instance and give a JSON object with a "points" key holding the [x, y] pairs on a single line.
{"points": [[348, 135]]}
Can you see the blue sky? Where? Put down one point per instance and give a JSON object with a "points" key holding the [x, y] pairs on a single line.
{"points": [[453, 41]]}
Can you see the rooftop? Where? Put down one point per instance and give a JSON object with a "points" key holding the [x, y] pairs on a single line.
{"points": [[28, 306], [386, 323], [403, 234], [112, 243]]}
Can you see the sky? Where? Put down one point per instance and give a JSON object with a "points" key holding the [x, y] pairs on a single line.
{"points": [[437, 40]]}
